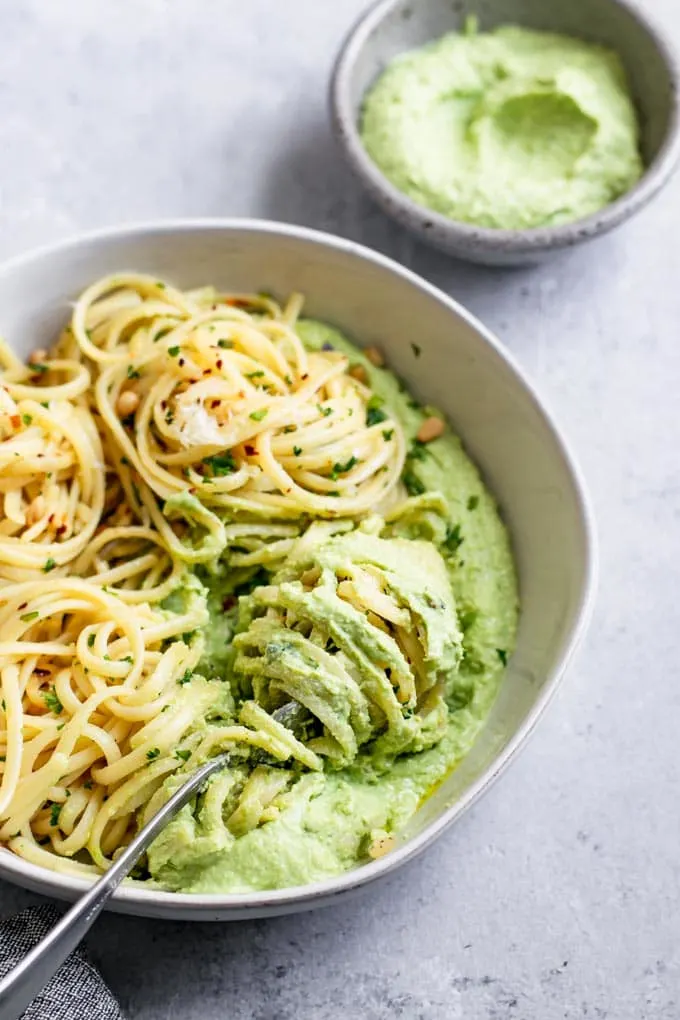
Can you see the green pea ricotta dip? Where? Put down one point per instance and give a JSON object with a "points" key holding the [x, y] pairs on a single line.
{"points": [[508, 129], [439, 559]]}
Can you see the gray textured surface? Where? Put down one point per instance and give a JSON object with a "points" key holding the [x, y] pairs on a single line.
{"points": [[558, 895]]}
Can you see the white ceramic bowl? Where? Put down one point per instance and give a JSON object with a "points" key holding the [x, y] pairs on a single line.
{"points": [[463, 370]]}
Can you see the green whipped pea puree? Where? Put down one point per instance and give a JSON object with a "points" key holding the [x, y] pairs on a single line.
{"points": [[326, 820], [510, 128]]}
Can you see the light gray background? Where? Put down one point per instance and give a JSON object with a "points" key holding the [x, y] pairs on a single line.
{"points": [[556, 896]]}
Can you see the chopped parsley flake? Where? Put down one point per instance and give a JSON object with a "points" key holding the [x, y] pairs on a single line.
{"points": [[90, 640], [186, 677], [387, 434], [259, 415], [502, 655], [418, 450], [325, 411], [453, 539], [183, 755], [132, 373], [55, 811], [374, 414], [38, 366], [254, 375], [224, 344], [412, 483], [27, 419], [153, 753], [473, 502], [173, 351], [27, 617], [221, 464], [51, 699], [342, 469], [50, 564], [297, 450]]}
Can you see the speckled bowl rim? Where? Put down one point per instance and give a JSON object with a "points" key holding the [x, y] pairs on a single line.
{"points": [[490, 239], [215, 907]]}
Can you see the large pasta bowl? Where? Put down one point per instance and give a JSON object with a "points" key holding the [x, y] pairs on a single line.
{"points": [[463, 370]]}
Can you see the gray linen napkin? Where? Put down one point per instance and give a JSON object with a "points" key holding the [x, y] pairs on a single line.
{"points": [[76, 992]]}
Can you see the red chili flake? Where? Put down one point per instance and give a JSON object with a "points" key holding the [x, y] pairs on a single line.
{"points": [[206, 371], [50, 519], [228, 603], [250, 450], [236, 302], [23, 605], [15, 420], [305, 376], [215, 403], [61, 529], [219, 363], [164, 404], [180, 362], [41, 672]]}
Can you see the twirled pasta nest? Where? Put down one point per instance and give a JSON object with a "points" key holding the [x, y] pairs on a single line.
{"points": [[216, 396], [360, 633]]}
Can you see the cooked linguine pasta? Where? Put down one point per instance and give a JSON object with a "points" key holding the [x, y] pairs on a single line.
{"points": [[169, 432]]}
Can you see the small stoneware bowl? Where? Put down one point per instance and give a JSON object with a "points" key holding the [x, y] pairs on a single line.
{"points": [[392, 27]]}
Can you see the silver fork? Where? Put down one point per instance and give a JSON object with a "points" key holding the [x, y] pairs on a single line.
{"points": [[21, 985]]}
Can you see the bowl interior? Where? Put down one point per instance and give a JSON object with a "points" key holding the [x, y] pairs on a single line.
{"points": [[461, 370], [392, 28]]}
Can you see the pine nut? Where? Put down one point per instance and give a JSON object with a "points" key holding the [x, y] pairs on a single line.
{"points": [[431, 429], [359, 373], [381, 846], [128, 402], [36, 510]]}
